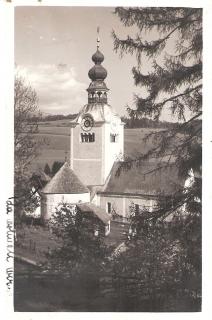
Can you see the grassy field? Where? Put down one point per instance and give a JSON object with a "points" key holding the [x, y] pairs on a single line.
{"points": [[57, 135]]}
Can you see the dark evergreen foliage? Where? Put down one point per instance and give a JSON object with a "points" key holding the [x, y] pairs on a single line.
{"points": [[178, 78], [140, 122], [47, 169], [52, 117], [81, 251], [56, 167], [173, 84]]}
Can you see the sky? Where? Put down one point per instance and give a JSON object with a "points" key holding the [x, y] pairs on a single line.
{"points": [[53, 49]]}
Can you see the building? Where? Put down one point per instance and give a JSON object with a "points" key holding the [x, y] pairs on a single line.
{"points": [[97, 134], [129, 190], [94, 180], [64, 187]]}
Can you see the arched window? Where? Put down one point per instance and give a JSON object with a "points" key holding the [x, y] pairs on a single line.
{"points": [[113, 137], [88, 137]]}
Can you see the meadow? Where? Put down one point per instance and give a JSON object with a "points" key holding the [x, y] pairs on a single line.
{"points": [[57, 137]]}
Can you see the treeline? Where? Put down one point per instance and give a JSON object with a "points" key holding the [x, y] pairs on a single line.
{"points": [[147, 123], [52, 117], [54, 169], [129, 122]]}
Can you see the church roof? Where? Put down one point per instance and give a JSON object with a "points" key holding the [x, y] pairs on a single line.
{"points": [[144, 179], [100, 113], [65, 181], [97, 211]]}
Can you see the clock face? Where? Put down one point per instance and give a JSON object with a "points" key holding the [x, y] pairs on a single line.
{"points": [[87, 123]]}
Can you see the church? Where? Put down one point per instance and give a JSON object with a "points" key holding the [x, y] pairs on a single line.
{"points": [[92, 180]]}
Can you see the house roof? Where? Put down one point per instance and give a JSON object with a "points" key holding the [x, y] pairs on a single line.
{"points": [[65, 181], [143, 179], [92, 208]]}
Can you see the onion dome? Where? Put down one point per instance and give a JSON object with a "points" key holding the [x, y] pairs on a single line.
{"points": [[98, 72], [97, 57]]}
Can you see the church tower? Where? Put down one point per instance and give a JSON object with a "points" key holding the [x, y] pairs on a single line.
{"points": [[97, 133]]}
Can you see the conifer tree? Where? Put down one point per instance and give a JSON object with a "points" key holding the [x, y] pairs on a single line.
{"points": [[171, 40], [173, 83], [47, 169], [56, 167]]}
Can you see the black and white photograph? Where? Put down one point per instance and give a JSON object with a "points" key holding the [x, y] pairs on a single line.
{"points": [[107, 127]]}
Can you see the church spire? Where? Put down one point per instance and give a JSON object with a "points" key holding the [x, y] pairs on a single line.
{"points": [[97, 91], [98, 39]]}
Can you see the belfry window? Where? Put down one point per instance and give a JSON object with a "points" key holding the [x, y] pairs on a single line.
{"points": [[87, 137], [113, 137]]}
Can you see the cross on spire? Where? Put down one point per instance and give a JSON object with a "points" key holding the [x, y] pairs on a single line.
{"points": [[98, 40]]}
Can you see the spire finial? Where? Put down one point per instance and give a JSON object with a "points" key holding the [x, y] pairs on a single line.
{"points": [[98, 40]]}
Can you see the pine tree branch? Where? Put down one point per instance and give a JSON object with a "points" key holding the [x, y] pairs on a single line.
{"points": [[186, 92]]}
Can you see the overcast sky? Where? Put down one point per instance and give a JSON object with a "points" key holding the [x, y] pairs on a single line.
{"points": [[53, 49]]}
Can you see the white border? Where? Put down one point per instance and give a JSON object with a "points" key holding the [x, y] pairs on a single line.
{"points": [[6, 100]]}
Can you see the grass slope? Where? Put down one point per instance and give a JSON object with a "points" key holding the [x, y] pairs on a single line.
{"points": [[57, 135]]}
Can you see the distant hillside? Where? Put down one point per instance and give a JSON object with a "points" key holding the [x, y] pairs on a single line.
{"points": [[129, 122], [149, 123], [146, 123], [53, 117]]}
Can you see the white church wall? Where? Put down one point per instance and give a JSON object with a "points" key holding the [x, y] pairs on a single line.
{"points": [[86, 157], [117, 204], [92, 161], [95, 200], [142, 202], [113, 151], [50, 201], [121, 204]]}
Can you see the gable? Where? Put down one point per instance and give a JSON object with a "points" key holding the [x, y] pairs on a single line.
{"points": [[65, 181]]}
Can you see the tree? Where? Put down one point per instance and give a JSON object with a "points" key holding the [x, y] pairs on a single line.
{"points": [[175, 79], [26, 146], [56, 167], [47, 169], [153, 274], [173, 83], [81, 250]]}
